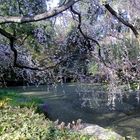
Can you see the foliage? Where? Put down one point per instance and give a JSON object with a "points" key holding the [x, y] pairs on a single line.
{"points": [[23, 123], [4, 102], [50, 45], [22, 7], [93, 68], [17, 123]]}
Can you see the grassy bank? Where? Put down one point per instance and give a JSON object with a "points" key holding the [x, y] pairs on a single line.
{"points": [[13, 98]]}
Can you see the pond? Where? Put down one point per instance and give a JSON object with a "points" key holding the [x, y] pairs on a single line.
{"points": [[68, 102]]}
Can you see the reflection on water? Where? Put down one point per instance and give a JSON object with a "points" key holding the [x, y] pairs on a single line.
{"points": [[90, 103]]}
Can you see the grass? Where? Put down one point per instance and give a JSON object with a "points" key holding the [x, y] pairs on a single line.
{"points": [[15, 99]]}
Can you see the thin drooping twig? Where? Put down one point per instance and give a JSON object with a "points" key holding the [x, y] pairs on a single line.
{"points": [[6, 34], [126, 23], [62, 3], [80, 29], [88, 38]]}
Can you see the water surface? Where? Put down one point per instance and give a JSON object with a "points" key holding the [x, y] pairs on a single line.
{"points": [[68, 102]]}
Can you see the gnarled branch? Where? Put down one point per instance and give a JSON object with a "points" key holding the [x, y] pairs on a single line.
{"points": [[39, 17], [88, 38], [114, 13], [25, 19]]}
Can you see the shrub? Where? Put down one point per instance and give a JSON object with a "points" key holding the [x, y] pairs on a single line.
{"points": [[24, 124]]}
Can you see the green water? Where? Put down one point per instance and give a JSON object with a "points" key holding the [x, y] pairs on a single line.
{"points": [[65, 103]]}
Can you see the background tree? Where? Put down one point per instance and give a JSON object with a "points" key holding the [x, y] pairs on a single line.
{"points": [[100, 33]]}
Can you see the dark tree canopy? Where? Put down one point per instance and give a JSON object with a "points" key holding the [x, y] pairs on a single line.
{"points": [[68, 31]]}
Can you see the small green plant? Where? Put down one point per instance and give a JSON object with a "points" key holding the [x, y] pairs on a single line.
{"points": [[131, 138], [4, 102], [93, 68], [134, 85]]}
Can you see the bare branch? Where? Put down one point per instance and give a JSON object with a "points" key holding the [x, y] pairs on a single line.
{"points": [[114, 13], [88, 38], [39, 17], [6, 34], [80, 29], [43, 16]]}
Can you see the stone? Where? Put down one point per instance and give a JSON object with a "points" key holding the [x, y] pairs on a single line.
{"points": [[100, 133]]}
